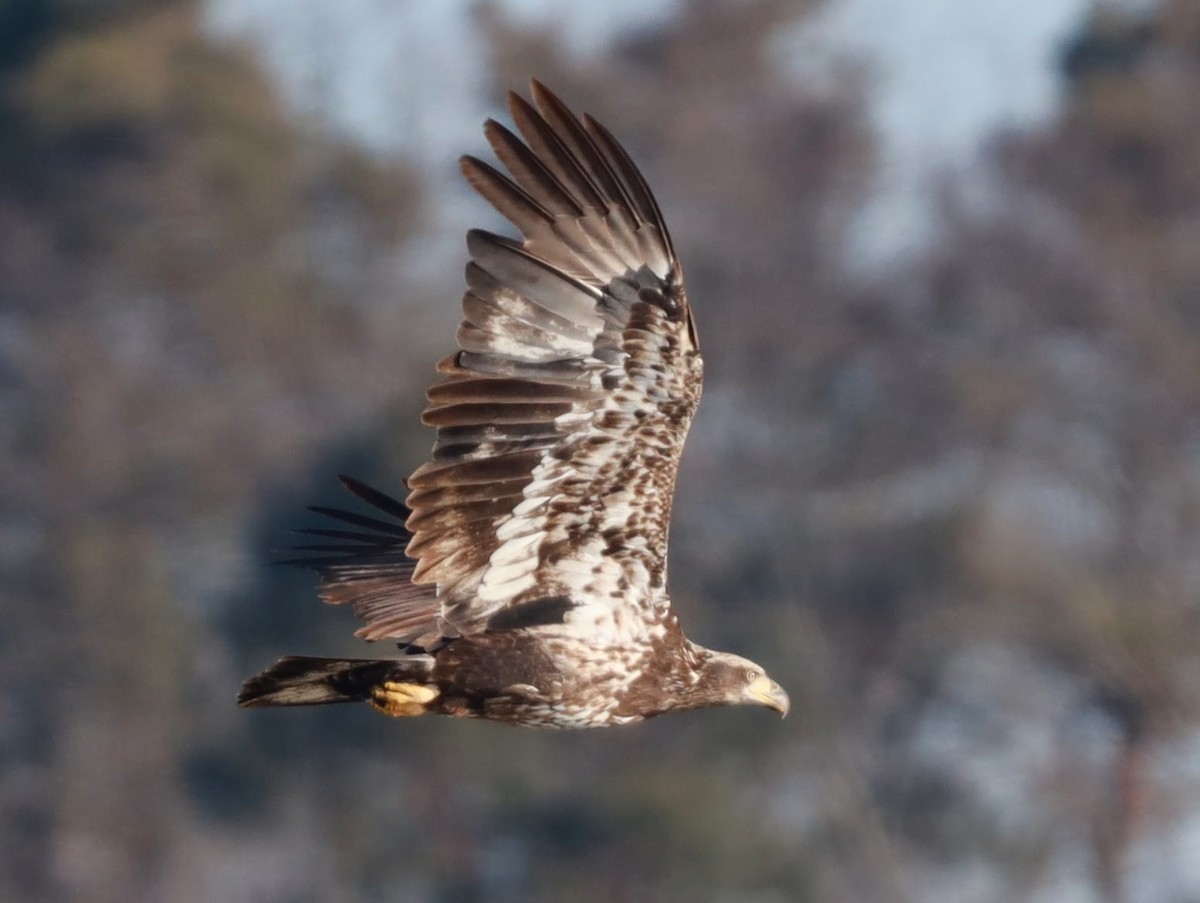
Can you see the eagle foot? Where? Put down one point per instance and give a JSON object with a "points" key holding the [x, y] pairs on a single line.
{"points": [[402, 700]]}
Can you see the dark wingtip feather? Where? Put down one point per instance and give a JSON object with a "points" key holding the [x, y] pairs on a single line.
{"points": [[381, 537], [359, 520], [375, 497]]}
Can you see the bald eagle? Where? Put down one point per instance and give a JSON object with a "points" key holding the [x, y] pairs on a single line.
{"points": [[525, 579]]}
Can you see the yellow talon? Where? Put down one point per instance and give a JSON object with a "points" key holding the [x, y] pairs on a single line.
{"points": [[401, 699]]}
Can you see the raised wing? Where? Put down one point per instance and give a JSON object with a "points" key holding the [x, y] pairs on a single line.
{"points": [[561, 420]]}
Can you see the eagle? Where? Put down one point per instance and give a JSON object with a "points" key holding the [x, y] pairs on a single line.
{"points": [[525, 578]]}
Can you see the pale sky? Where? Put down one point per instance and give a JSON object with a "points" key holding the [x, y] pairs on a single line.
{"points": [[945, 75]]}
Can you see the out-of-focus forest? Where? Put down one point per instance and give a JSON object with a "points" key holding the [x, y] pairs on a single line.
{"points": [[953, 505]]}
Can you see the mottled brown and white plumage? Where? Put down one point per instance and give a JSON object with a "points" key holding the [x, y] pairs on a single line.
{"points": [[526, 578]]}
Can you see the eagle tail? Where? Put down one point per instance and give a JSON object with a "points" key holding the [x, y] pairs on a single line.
{"points": [[394, 686]]}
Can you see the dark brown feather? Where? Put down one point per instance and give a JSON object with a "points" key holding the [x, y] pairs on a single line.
{"points": [[487, 287], [488, 471], [510, 390], [512, 266], [589, 158], [553, 154], [534, 178], [503, 193]]}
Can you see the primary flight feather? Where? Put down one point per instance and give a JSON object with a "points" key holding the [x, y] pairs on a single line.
{"points": [[525, 579]]}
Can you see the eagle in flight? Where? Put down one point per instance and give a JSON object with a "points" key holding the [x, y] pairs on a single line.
{"points": [[525, 579]]}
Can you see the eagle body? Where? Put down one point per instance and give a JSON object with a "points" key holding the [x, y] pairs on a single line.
{"points": [[524, 578], [542, 681]]}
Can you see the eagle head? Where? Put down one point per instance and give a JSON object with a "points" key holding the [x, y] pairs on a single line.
{"points": [[733, 680]]}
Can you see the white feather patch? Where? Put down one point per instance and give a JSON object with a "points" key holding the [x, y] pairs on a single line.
{"points": [[506, 584], [517, 549], [528, 506]]}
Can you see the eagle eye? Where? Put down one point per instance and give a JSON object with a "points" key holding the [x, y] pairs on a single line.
{"points": [[752, 675]]}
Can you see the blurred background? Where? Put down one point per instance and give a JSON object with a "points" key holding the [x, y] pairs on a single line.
{"points": [[945, 482]]}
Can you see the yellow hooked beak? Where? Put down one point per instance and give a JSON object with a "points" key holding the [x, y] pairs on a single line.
{"points": [[765, 691]]}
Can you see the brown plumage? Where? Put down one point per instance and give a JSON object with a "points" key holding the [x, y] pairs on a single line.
{"points": [[525, 579]]}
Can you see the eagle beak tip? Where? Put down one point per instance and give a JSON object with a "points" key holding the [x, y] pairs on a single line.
{"points": [[767, 692], [778, 699], [783, 704]]}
